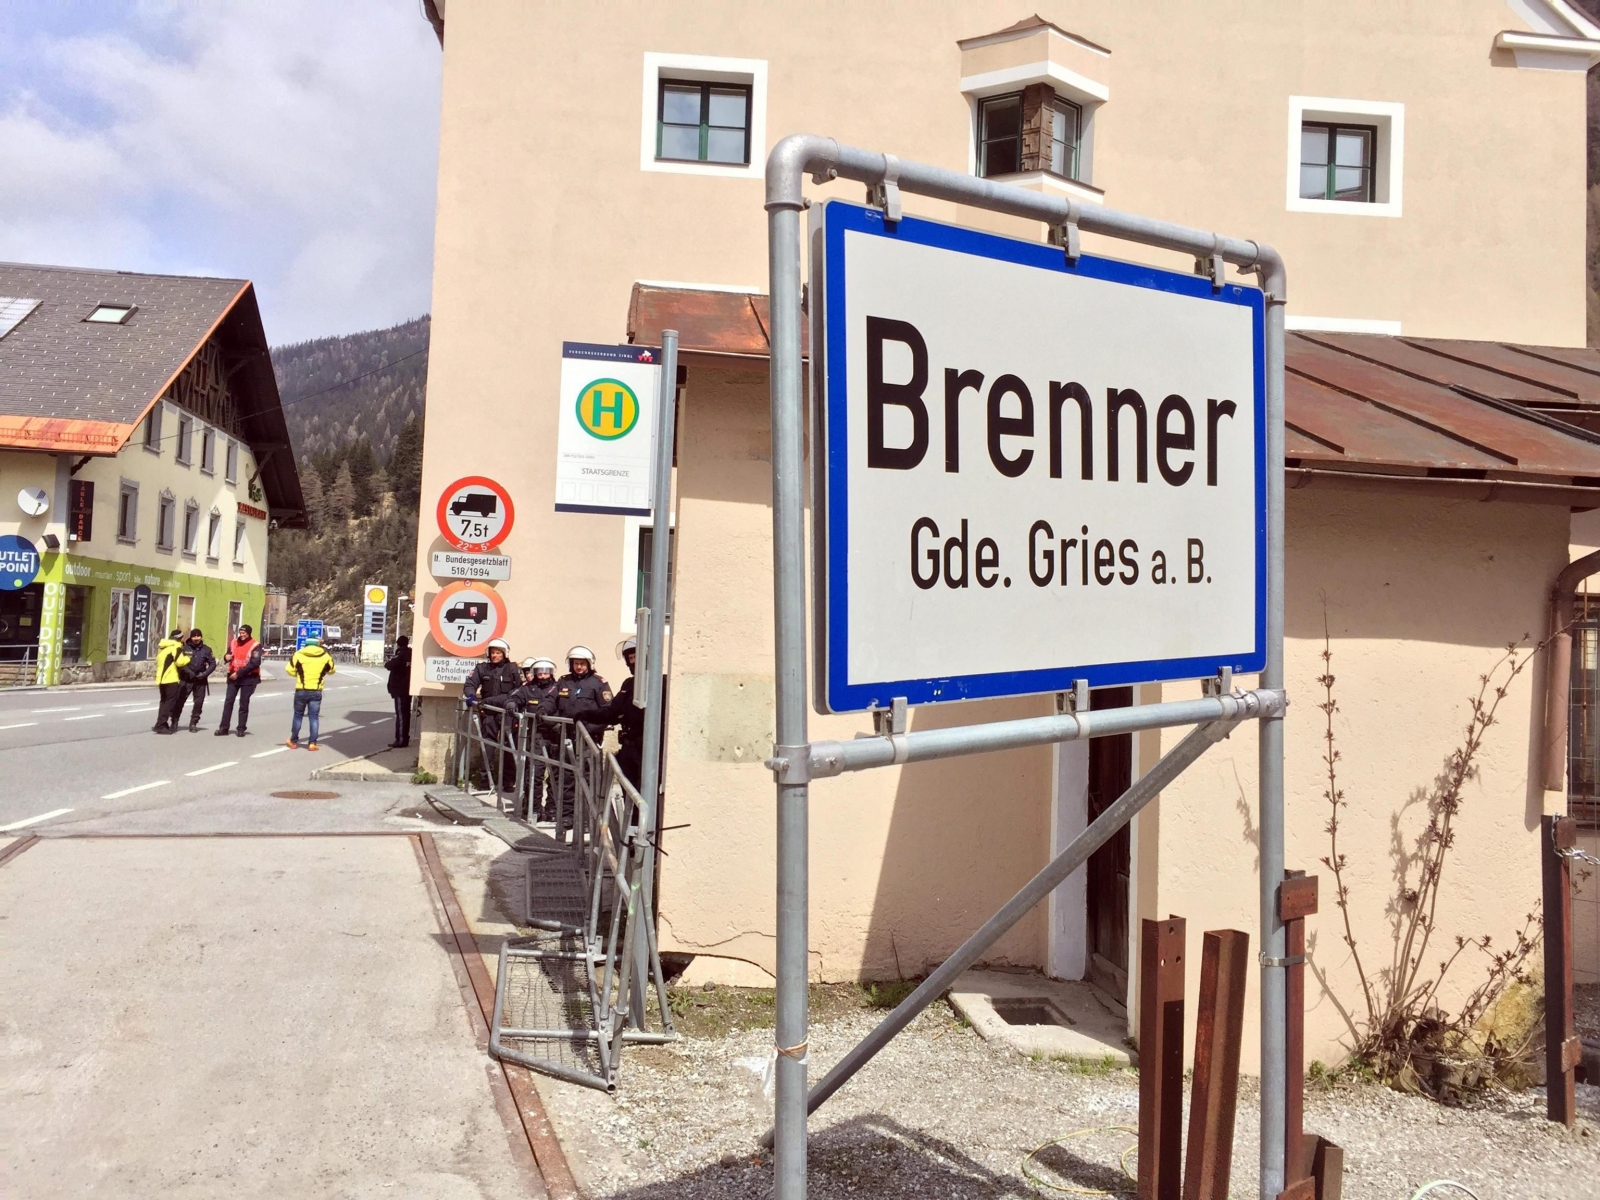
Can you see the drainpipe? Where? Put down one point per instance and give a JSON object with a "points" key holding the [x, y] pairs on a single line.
{"points": [[1563, 599]]}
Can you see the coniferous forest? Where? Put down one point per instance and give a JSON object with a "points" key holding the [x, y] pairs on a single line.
{"points": [[354, 407]]}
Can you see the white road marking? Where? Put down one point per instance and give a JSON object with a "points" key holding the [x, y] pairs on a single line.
{"points": [[55, 812], [135, 704], [85, 717], [208, 770], [379, 721], [74, 708], [143, 787], [274, 750], [20, 725]]}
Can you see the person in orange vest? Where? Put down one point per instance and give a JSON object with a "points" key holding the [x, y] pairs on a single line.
{"points": [[242, 661]]}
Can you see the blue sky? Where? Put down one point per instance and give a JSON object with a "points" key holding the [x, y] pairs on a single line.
{"points": [[291, 142]]}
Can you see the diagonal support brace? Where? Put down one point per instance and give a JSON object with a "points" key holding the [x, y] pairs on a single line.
{"points": [[1101, 831]]}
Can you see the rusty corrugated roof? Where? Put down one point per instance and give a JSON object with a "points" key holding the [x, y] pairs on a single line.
{"points": [[1512, 420]]}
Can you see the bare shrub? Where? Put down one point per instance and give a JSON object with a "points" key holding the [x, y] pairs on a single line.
{"points": [[1400, 1031]]}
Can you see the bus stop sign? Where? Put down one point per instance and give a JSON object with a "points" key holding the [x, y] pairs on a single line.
{"points": [[1032, 470]]}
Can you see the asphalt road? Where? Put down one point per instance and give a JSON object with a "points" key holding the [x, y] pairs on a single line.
{"points": [[79, 758]]}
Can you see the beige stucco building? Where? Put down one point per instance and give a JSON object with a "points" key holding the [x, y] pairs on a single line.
{"points": [[1421, 168]]}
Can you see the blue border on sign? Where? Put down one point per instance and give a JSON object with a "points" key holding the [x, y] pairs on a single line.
{"points": [[640, 354], [835, 693]]}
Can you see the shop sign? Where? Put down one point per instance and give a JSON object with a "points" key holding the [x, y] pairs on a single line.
{"points": [[606, 428], [441, 669], [475, 514], [139, 627], [305, 630], [456, 564], [19, 562], [467, 616], [250, 510], [1030, 471]]}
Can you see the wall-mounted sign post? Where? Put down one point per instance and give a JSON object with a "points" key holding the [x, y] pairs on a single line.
{"points": [[606, 428], [466, 617], [1012, 432], [305, 630], [475, 514]]}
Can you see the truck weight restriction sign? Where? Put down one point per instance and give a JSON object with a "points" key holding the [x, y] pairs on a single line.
{"points": [[475, 513], [1032, 472], [465, 617]]}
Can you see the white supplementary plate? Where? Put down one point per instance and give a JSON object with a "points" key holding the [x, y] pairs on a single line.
{"points": [[458, 564]]}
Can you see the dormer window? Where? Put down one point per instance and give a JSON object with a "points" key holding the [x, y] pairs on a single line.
{"points": [[1031, 130]]}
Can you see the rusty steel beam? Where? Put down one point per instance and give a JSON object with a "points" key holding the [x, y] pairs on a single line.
{"points": [[1562, 1049], [1297, 899], [1219, 1033], [541, 1137], [1161, 967], [25, 842]]}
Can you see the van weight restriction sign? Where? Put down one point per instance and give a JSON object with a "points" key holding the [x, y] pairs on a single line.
{"points": [[465, 617], [1032, 471], [475, 513]]}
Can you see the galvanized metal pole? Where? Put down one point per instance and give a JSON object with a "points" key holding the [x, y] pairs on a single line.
{"points": [[789, 665], [656, 660], [1274, 943]]}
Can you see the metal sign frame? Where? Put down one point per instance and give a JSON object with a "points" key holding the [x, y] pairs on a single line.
{"points": [[835, 692], [795, 760]]}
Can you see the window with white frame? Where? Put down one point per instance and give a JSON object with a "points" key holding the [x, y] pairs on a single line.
{"points": [[1346, 157], [238, 541], [119, 628], [128, 512], [704, 115], [214, 537], [208, 450], [191, 528], [1031, 130], [166, 520], [185, 438], [232, 472]]}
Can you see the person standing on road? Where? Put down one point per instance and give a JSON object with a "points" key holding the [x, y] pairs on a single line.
{"points": [[308, 667], [586, 698], [533, 701], [196, 675], [488, 688], [170, 658], [243, 662], [399, 668]]}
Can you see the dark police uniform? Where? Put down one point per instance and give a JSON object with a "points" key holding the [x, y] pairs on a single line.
{"points": [[530, 702], [587, 700], [491, 685]]}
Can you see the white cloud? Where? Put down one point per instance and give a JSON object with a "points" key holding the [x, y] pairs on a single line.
{"points": [[293, 143]]}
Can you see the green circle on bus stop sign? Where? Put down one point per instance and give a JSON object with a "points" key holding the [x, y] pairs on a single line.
{"points": [[607, 409]]}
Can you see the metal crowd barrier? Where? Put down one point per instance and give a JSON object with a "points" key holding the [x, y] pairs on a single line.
{"points": [[569, 996]]}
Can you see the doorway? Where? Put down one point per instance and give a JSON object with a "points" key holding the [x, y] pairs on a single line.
{"points": [[1110, 774]]}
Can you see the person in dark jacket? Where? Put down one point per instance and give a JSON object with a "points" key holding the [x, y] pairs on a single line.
{"points": [[399, 668], [196, 676], [242, 661], [585, 697], [629, 718], [488, 688], [535, 699]]}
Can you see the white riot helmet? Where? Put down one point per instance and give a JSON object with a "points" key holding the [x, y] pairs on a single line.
{"points": [[529, 663], [627, 645], [542, 664], [499, 644], [582, 652]]}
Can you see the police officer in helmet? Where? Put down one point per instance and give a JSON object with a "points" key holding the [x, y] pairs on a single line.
{"points": [[585, 697], [533, 701], [629, 718], [488, 688]]}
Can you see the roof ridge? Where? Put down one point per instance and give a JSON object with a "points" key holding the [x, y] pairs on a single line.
{"points": [[27, 266]]}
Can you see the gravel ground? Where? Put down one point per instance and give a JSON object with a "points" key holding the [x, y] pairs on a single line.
{"points": [[942, 1113], [1586, 1010]]}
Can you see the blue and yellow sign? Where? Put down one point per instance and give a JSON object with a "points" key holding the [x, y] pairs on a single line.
{"points": [[607, 409]]}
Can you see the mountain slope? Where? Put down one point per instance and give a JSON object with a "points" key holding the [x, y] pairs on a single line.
{"points": [[338, 390]]}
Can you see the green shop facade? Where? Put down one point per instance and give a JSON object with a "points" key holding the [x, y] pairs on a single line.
{"points": [[142, 437]]}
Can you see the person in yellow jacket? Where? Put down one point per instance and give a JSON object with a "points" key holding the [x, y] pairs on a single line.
{"points": [[310, 665], [171, 654]]}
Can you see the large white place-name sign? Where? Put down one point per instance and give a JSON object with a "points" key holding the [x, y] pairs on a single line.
{"points": [[1030, 472]]}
